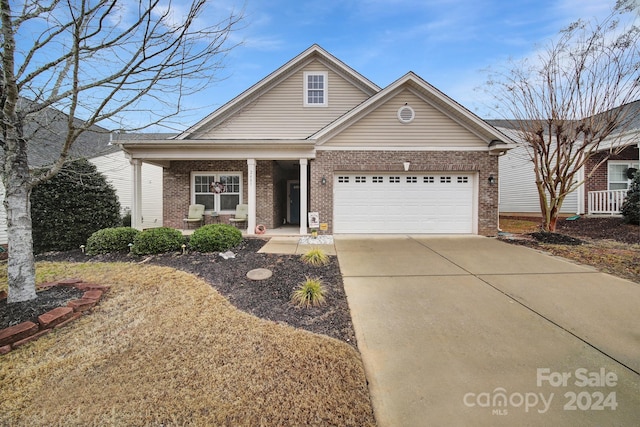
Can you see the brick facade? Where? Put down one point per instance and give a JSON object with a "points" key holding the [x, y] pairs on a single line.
{"points": [[271, 179], [599, 179], [270, 189], [327, 163]]}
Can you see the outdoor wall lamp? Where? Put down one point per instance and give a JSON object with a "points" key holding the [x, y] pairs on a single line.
{"points": [[323, 181], [492, 180], [406, 166]]}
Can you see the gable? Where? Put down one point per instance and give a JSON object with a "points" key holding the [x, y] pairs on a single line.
{"points": [[430, 128], [279, 112]]}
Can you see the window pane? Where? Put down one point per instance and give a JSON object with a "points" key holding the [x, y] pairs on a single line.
{"points": [[207, 200], [231, 183], [228, 202], [617, 172]]}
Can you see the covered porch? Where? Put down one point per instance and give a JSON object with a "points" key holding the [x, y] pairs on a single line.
{"points": [[260, 174]]}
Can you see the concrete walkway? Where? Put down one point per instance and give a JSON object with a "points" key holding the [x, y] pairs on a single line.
{"points": [[470, 331]]}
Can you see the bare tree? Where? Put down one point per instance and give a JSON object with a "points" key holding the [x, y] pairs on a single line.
{"points": [[567, 103], [98, 60]]}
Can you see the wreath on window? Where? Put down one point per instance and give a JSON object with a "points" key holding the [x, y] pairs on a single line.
{"points": [[217, 187]]}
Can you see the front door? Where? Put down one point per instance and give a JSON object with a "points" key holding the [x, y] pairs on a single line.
{"points": [[293, 194]]}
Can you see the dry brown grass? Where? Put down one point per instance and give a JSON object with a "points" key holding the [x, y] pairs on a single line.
{"points": [[164, 348], [619, 259], [519, 225]]}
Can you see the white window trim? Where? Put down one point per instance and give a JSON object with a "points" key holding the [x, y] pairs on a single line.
{"points": [[305, 89], [192, 188], [627, 163]]}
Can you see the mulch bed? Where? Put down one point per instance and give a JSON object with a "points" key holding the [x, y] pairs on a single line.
{"points": [[268, 299], [583, 229]]}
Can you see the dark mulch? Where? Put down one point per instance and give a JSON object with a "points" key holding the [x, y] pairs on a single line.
{"points": [[268, 299], [612, 228], [12, 314], [583, 230]]}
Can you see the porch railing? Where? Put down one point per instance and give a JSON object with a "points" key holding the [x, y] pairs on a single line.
{"points": [[606, 202]]}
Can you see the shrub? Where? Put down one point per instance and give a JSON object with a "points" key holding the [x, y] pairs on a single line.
{"points": [[309, 293], [157, 241], [110, 240], [315, 257], [71, 206], [215, 237], [631, 206]]}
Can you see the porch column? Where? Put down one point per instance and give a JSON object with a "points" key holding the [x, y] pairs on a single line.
{"points": [[303, 195], [251, 220], [136, 202]]}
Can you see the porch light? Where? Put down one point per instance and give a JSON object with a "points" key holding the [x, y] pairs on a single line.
{"points": [[406, 166], [492, 180], [323, 181]]}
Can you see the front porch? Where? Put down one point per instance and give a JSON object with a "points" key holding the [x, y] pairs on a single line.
{"points": [[605, 202]]}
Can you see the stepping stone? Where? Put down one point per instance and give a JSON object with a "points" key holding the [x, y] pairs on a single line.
{"points": [[259, 274]]}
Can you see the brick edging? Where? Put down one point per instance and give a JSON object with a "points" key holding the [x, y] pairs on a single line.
{"points": [[25, 332]]}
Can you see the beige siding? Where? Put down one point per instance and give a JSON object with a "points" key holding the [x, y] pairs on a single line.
{"points": [[280, 113], [429, 128]]}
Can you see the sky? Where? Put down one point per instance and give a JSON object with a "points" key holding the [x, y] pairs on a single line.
{"points": [[449, 43]]}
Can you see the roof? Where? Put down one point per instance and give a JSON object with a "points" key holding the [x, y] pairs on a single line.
{"points": [[429, 94], [315, 52], [46, 132]]}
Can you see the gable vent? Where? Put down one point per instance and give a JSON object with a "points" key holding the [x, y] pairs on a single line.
{"points": [[406, 114]]}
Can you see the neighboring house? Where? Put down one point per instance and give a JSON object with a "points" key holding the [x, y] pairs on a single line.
{"points": [[602, 193], [316, 136], [46, 136]]}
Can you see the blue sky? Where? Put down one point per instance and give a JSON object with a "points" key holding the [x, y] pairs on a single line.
{"points": [[447, 42]]}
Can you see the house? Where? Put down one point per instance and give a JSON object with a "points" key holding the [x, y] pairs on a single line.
{"points": [[46, 136], [603, 192], [316, 136]]}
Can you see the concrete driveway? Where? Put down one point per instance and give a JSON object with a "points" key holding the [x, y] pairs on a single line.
{"points": [[471, 331]]}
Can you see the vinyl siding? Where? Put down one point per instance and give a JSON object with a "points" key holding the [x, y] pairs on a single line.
{"points": [[117, 170], [3, 218], [280, 113], [518, 192], [429, 128]]}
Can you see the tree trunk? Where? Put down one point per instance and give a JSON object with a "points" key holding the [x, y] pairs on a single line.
{"points": [[21, 270]]}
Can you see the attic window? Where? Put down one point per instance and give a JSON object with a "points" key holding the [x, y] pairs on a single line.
{"points": [[315, 89], [406, 114]]}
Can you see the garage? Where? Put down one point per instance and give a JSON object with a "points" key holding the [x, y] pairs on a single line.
{"points": [[425, 203]]}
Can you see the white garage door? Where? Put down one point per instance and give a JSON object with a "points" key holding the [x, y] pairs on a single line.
{"points": [[403, 203]]}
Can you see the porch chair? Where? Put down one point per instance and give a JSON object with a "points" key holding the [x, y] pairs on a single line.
{"points": [[242, 211], [195, 215]]}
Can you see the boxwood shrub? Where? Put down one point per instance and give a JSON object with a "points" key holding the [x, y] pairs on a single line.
{"points": [[215, 237], [157, 241], [110, 240]]}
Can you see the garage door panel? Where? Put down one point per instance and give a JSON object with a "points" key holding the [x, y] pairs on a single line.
{"points": [[403, 203]]}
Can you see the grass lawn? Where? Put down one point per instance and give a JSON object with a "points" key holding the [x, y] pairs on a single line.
{"points": [[164, 348]]}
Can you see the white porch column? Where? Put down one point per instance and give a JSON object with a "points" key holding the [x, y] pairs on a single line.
{"points": [[251, 220], [303, 196], [136, 196]]}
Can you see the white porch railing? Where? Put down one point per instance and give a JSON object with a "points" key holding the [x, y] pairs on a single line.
{"points": [[608, 202]]}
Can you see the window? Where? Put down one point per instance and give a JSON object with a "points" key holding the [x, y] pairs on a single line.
{"points": [[463, 179], [618, 179], [217, 191], [445, 180], [428, 179], [361, 179], [343, 179], [378, 180], [412, 179], [394, 179], [315, 89]]}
